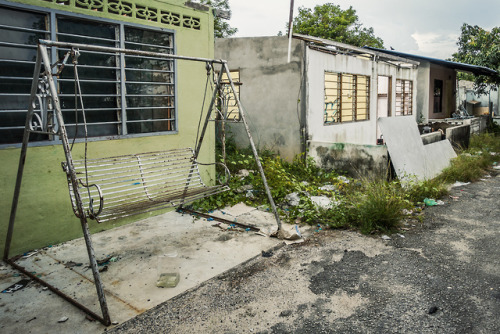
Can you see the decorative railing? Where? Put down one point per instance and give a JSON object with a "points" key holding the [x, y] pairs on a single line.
{"points": [[133, 10]]}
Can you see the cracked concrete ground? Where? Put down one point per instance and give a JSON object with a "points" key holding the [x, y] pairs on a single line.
{"points": [[440, 276]]}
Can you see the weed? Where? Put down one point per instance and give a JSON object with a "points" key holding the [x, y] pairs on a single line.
{"points": [[472, 164], [378, 206], [367, 205]]}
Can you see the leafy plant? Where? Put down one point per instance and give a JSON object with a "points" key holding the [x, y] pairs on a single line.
{"points": [[378, 206]]}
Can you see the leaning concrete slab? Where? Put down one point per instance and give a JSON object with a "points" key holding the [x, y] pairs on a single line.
{"points": [[133, 254], [410, 157]]}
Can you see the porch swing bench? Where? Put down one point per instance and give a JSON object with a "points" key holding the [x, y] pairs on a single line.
{"points": [[122, 186], [105, 189]]}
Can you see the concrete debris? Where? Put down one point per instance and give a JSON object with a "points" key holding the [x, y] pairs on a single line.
{"points": [[328, 187], [343, 179], [322, 202], [293, 199], [242, 173], [244, 188]]}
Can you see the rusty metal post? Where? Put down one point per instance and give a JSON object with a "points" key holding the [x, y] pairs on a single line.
{"points": [[254, 149], [69, 160], [209, 112], [22, 158]]}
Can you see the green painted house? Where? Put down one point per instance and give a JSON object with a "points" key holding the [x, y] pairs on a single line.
{"points": [[134, 104]]}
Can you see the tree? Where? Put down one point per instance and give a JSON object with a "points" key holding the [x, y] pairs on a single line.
{"points": [[477, 46], [331, 22], [221, 27]]}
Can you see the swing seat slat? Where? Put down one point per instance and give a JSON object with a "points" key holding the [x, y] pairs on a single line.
{"points": [[127, 185]]}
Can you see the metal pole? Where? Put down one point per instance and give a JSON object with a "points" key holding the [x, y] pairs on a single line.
{"points": [[290, 31], [69, 160], [200, 141], [209, 112], [126, 51], [254, 150], [22, 158]]}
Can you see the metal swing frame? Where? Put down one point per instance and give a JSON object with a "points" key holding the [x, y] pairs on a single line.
{"points": [[50, 122]]}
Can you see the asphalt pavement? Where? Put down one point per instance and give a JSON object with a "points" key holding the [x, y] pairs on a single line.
{"points": [[439, 275]]}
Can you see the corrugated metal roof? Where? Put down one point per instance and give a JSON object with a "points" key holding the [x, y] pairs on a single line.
{"points": [[351, 49], [477, 70]]}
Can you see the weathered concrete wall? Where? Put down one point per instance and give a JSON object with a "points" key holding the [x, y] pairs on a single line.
{"points": [[428, 138], [360, 132], [423, 83], [44, 215], [369, 161], [477, 124], [271, 91], [459, 136]]}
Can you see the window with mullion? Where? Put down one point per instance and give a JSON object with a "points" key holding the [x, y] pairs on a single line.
{"points": [[148, 83]]}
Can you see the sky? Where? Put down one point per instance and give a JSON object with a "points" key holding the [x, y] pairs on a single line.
{"points": [[424, 27]]}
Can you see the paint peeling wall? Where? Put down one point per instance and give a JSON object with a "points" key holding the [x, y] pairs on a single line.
{"points": [[270, 91], [44, 214]]}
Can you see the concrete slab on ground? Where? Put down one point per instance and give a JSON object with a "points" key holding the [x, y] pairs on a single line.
{"points": [[204, 250], [410, 157]]}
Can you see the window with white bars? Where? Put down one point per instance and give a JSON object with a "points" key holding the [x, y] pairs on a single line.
{"points": [[404, 97], [227, 98], [347, 98], [122, 94]]}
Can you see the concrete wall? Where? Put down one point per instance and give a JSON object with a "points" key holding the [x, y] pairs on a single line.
{"points": [[360, 132], [423, 83], [349, 146], [477, 124], [271, 91], [459, 136], [44, 215], [429, 138], [370, 161], [448, 76]]}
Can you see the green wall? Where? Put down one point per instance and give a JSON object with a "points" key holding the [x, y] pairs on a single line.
{"points": [[44, 215]]}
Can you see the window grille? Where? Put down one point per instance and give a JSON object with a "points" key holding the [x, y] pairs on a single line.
{"points": [[347, 98], [229, 107], [123, 95], [404, 97]]}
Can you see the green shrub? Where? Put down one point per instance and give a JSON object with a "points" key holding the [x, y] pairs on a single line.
{"points": [[378, 206], [416, 191]]}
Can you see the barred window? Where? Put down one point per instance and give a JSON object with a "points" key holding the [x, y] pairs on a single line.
{"points": [[227, 97], [347, 98], [404, 97], [122, 94]]}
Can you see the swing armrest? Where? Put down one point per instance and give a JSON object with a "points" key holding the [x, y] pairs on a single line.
{"points": [[91, 211]]}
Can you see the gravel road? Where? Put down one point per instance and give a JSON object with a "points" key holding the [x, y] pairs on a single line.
{"points": [[441, 275]]}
